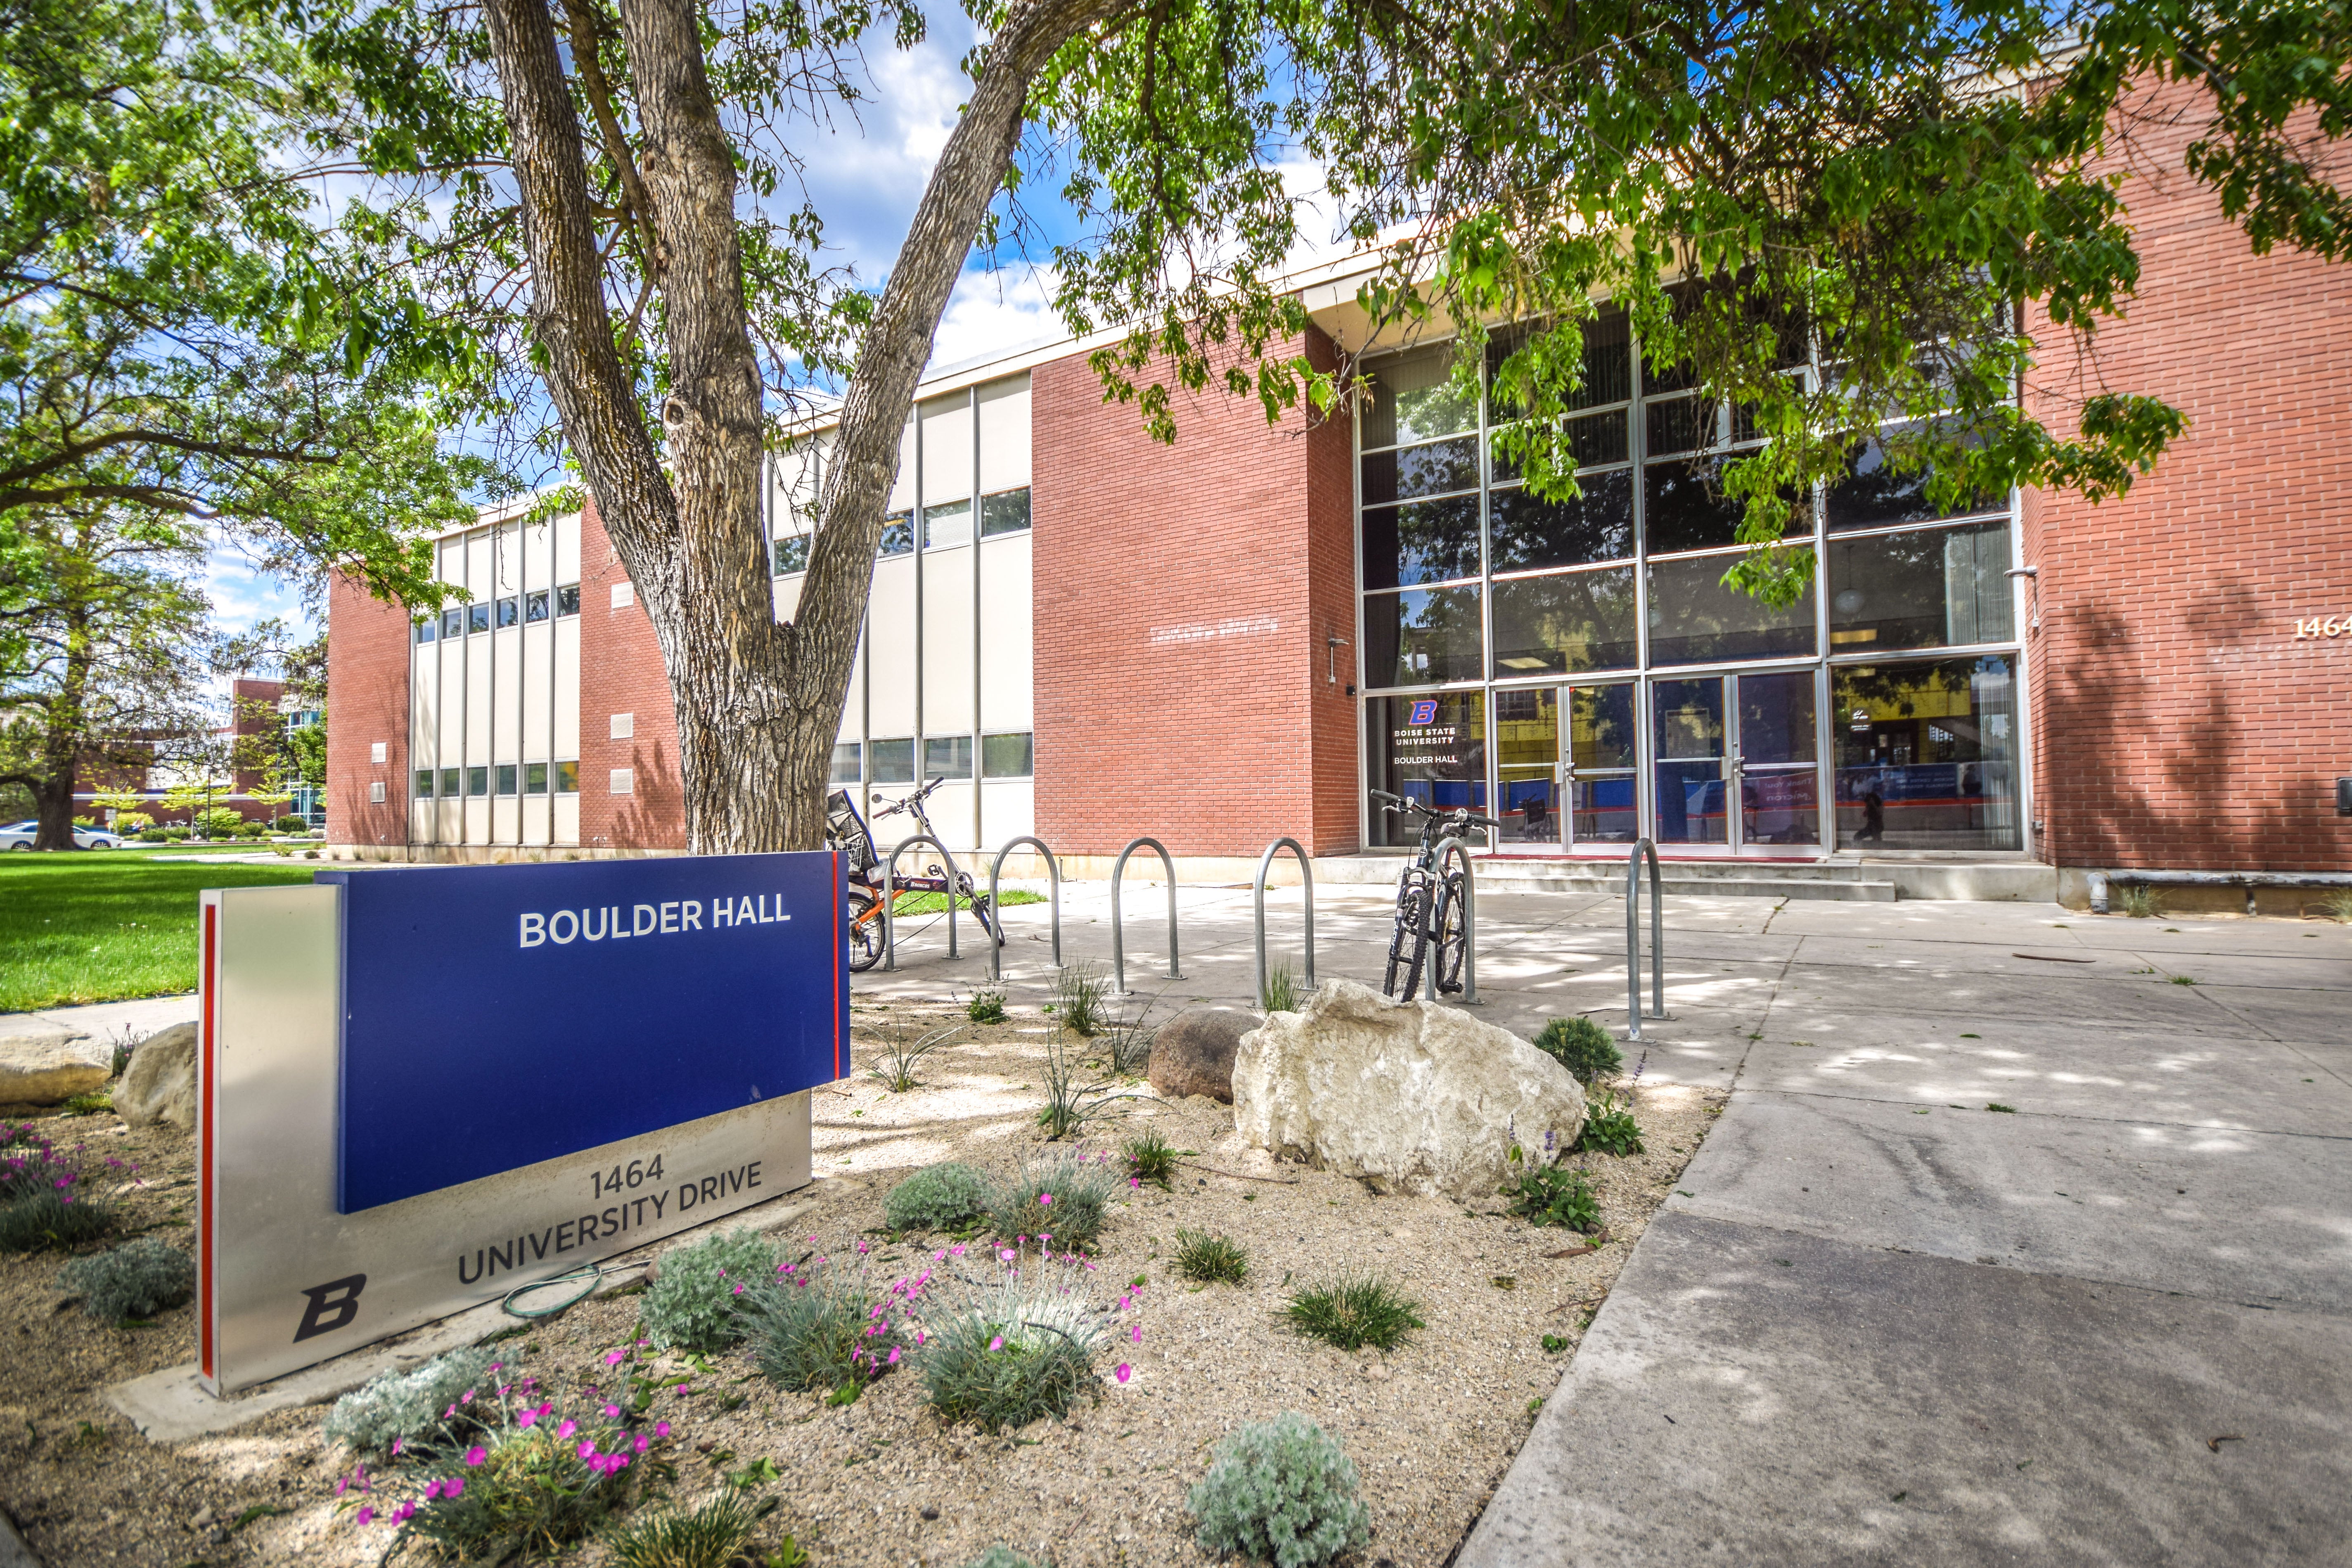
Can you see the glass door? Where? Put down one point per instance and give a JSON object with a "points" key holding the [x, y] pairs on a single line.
{"points": [[1776, 758], [1600, 761], [1526, 769], [1689, 746]]}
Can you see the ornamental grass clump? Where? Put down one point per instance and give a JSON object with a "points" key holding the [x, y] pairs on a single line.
{"points": [[1072, 1104], [1209, 1259], [692, 1304], [1582, 1046], [418, 1407], [1078, 1005], [897, 1054], [1018, 1346], [1282, 1491], [825, 1324], [947, 1196], [1151, 1158], [1057, 1203], [985, 1008], [707, 1537], [1353, 1313], [137, 1279]]}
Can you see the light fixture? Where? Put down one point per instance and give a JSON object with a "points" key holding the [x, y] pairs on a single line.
{"points": [[1332, 643], [1848, 602]]}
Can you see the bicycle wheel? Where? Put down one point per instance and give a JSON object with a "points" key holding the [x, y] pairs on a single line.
{"points": [[863, 911], [1409, 945], [1446, 974]]}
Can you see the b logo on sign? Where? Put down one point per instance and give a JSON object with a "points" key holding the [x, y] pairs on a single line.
{"points": [[1424, 711], [331, 1306]]}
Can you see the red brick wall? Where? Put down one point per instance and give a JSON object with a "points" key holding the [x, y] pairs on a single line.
{"points": [[1182, 597], [621, 672], [367, 701], [2178, 722]]}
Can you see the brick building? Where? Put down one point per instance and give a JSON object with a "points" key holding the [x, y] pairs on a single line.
{"points": [[1092, 636]]}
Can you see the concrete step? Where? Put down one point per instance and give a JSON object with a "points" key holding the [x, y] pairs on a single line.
{"points": [[1515, 880]]}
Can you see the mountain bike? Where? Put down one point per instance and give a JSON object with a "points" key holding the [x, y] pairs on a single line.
{"points": [[845, 831], [1429, 903]]}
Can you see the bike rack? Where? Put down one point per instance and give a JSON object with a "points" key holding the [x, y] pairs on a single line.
{"points": [[1634, 939], [889, 922], [1306, 876], [1117, 943], [1458, 849], [1053, 870]]}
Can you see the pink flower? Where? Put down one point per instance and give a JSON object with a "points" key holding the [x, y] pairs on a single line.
{"points": [[1124, 1372], [341, 1483], [1004, 1255], [661, 1428], [365, 1515], [1136, 1182], [894, 1356], [957, 1250], [587, 1447], [475, 1456], [643, 1444], [527, 1418], [403, 1513], [432, 1490], [1139, 1333], [612, 1411], [1045, 1200], [567, 1428], [453, 1485], [997, 1343], [398, 1444], [613, 1358], [620, 1462]]}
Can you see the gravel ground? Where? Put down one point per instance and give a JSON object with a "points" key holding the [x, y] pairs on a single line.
{"points": [[1432, 1426]]}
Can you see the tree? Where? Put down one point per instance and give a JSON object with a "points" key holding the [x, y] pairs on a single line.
{"points": [[596, 194]]}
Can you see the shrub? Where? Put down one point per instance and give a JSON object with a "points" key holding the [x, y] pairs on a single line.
{"points": [[137, 821], [88, 1104], [1609, 1129], [821, 1327], [947, 1196], [532, 1486], [177, 834], [1581, 1046], [1282, 1490], [290, 823], [691, 1303], [1550, 1195], [707, 1537], [157, 836], [54, 1219], [2139, 900], [1079, 1185], [408, 1407], [1353, 1313], [84, 821], [1078, 994], [2339, 906], [1280, 992], [220, 822], [1015, 1350], [1211, 1258], [897, 1056], [1000, 1556], [1150, 1158], [985, 1008], [137, 1279]]}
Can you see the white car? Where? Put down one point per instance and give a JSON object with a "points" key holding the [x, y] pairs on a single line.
{"points": [[20, 836]]}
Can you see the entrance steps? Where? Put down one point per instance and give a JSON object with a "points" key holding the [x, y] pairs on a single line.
{"points": [[1849, 881]]}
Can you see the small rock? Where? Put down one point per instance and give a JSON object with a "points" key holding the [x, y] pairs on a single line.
{"points": [[204, 1516], [1193, 1052], [930, 1512], [48, 1064], [160, 1084]]}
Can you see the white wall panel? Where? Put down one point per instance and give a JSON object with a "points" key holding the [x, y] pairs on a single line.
{"points": [[1005, 435], [538, 692], [950, 807], [478, 564], [902, 489], [506, 819], [567, 819], [506, 694], [1008, 810], [947, 449], [567, 686], [890, 649], [567, 548], [420, 822], [507, 547], [424, 706], [453, 701], [478, 698], [477, 821], [946, 642], [853, 706], [788, 596], [1007, 633]]}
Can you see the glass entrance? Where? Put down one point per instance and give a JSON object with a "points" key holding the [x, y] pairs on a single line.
{"points": [[1600, 764], [1736, 760]]}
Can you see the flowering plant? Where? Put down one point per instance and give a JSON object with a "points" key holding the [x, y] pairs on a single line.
{"points": [[1014, 1340], [824, 1322]]}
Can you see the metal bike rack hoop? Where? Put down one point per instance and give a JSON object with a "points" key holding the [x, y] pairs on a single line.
{"points": [[1054, 871], [1306, 879], [889, 898], [1634, 939], [1458, 847], [1117, 943]]}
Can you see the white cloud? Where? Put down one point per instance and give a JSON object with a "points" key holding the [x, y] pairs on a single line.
{"points": [[242, 597], [996, 312]]}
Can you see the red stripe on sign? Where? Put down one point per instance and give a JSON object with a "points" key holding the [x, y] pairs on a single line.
{"points": [[208, 1064], [840, 960]]}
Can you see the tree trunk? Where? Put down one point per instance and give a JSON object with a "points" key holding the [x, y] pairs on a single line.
{"points": [[757, 703], [63, 743]]}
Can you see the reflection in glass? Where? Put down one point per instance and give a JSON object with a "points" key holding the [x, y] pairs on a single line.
{"points": [[1682, 424], [1687, 746], [947, 756], [1593, 441], [1597, 525], [1421, 637], [1600, 740], [1685, 507], [511, 611], [1414, 399], [1874, 495], [1608, 359], [1572, 621], [1421, 542], [898, 534], [949, 522], [894, 761], [846, 763], [1780, 789], [1926, 754], [791, 554], [1007, 511], [1920, 589], [1695, 619], [1428, 749], [1007, 756], [1781, 805], [1527, 760], [1421, 471]]}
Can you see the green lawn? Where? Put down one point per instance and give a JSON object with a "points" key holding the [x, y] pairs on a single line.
{"points": [[97, 926]]}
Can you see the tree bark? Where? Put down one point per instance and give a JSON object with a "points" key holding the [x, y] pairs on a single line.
{"points": [[757, 703]]}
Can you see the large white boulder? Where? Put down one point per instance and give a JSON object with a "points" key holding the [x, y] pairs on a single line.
{"points": [[1411, 1097], [160, 1084], [46, 1064]]}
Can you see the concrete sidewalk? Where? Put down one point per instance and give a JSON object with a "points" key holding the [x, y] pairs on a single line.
{"points": [[1884, 1323]]}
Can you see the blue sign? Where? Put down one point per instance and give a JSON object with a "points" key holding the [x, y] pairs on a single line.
{"points": [[1423, 712], [495, 1016]]}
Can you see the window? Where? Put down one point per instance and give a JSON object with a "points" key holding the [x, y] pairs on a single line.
{"points": [[621, 781], [379, 751], [375, 791], [567, 599], [424, 783], [1414, 399], [1532, 533], [1922, 588], [1421, 542], [949, 522], [534, 778], [1422, 637], [567, 778], [1428, 749], [791, 554], [509, 611], [1566, 622], [947, 756], [846, 760], [1926, 754], [452, 621], [534, 606], [1684, 506], [1006, 757], [478, 781], [425, 631], [505, 778], [1695, 618], [898, 534], [893, 762], [1873, 494], [449, 783], [477, 618], [1007, 511]]}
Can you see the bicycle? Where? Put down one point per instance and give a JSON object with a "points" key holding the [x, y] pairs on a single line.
{"points": [[1430, 901], [845, 831]]}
